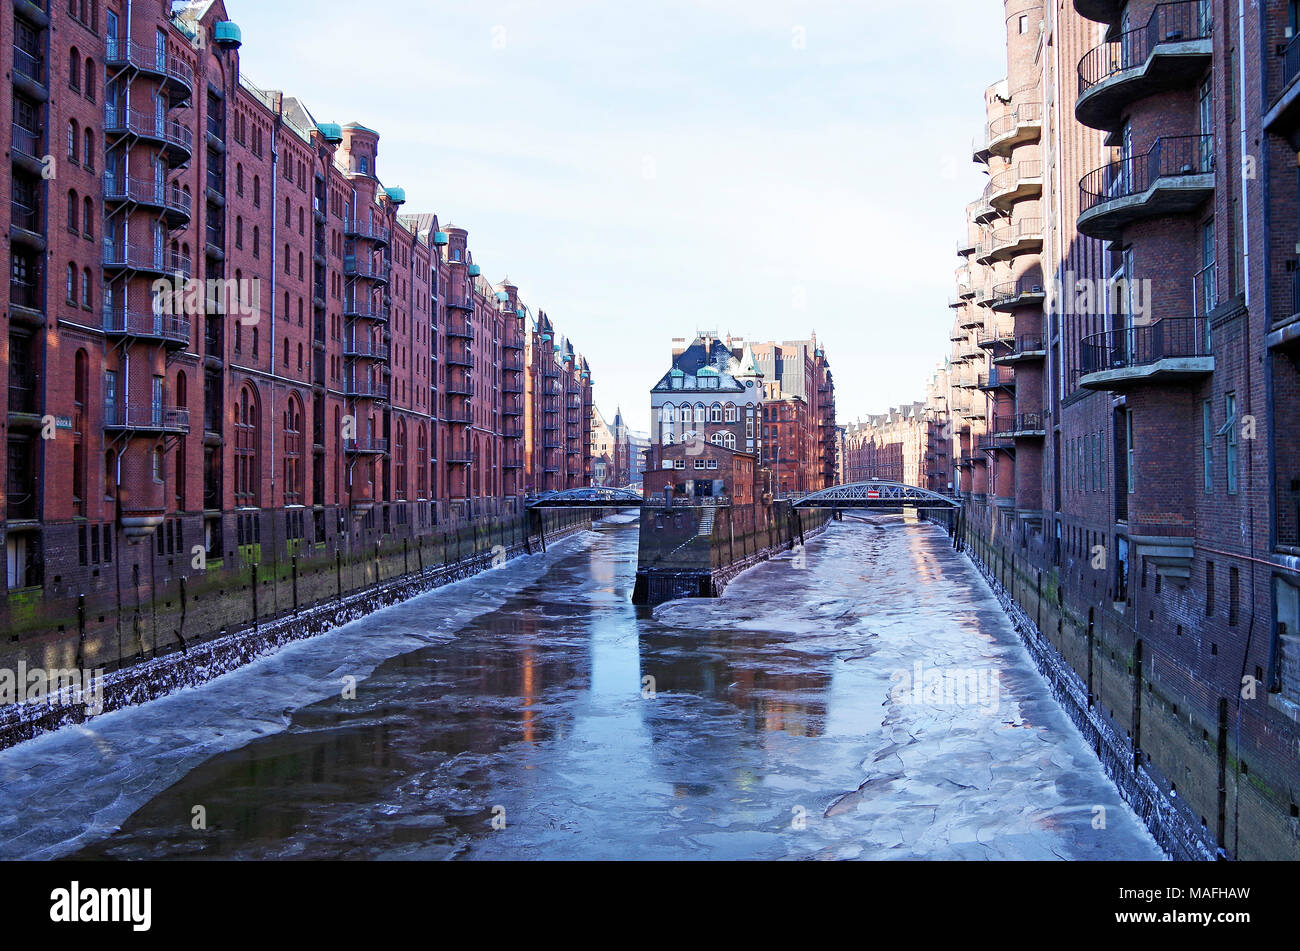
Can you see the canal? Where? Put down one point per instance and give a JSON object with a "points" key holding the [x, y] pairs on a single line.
{"points": [[864, 698]]}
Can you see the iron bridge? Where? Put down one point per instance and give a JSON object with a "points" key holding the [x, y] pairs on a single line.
{"points": [[875, 495]]}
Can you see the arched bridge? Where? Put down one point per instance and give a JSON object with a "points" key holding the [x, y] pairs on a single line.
{"points": [[875, 495], [588, 497]]}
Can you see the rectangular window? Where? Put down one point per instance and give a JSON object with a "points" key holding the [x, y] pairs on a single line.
{"points": [[1209, 589], [1230, 430], [1207, 446], [1130, 449], [1234, 593]]}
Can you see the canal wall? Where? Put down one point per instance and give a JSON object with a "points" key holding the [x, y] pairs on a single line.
{"points": [[188, 635], [694, 551], [1184, 773]]}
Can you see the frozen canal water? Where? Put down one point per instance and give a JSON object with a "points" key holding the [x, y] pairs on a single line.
{"points": [[789, 719]]}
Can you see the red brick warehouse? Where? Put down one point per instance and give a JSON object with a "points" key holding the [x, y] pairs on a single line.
{"points": [[338, 373]]}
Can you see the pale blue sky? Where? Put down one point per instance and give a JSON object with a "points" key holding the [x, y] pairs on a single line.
{"points": [[644, 170]]}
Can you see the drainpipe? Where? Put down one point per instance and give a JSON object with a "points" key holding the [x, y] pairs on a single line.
{"points": [[1245, 202]]}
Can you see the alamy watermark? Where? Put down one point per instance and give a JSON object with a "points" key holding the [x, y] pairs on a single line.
{"points": [[947, 686], [52, 685]]}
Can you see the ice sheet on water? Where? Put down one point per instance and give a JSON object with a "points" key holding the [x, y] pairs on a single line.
{"points": [[62, 789]]}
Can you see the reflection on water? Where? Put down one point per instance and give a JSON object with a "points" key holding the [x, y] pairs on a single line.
{"points": [[591, 728]]}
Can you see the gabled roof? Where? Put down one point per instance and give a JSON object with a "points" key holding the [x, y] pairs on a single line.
{"points": [[701, 358]]}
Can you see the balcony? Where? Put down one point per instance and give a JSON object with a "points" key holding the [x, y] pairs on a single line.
{"points": [[1022, 236], [459, 388], [512, 410], [465, 360], [366, 231], [459, 456], [512, 461], [1283, 115], [463, 331], [461, 303], [975, 409], [970, 318], [1172, 350], [1027, 348], [361, 388], [176, 139], [1171, 51], [999, 336], [365, 310], [365, 269], [145, 418], [512, 388], [364, 348], [1022, 125], [1012, 294], [365, 445], [136, 256], [26, 225], [174, 201], [964, 381], [1022, 425], [171, 330], [458, 417], [30, 75], [1175, 176], [176, 75], [996, 441], [1023, 180], [999, 378], [27, 148], [512, 430]]}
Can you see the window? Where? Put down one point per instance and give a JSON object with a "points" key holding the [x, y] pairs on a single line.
{"points": [[74, 141], [74, 69], [1130, 451], [85, 289], [1207, 447], [1023, 25], [1209, 589], [88, 150], [74, 210], [713, 463], [72, 284], [257, 192], [1230, 430], [88, 217], [679, 463], [1234, 594], [90, 79]]}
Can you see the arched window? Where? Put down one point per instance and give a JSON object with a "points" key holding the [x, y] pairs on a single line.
{"points": [[90, 79], [257, 242], [88, 150], [716, 439], [715, 413], [86, 300], [686, 414], [293, 470], [248, 479], [421, 463], [182, 390], [88, 217], [730, 413], [399, 460], [239, 231], [257, 192], [699, 413], [72, 284], [300, 265], [730, 441], [74, 210], [73, 140], [74, 69], [239, 179]]}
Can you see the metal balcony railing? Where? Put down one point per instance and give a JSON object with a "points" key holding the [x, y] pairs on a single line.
{"points": [[356, 346], [27, 141], [1170, 337], [1019, 230], [365, 389], [368, 310], [137, 323], [140, 257], [29, 65], [144, 192], [122, 121], [1022, 114], [24, 216], [1291, 61], [354, 266], [366, 230], [123, 52], [140, 416], [366, 444], [1169, 157], [1169, 23], [1010, 179]]}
